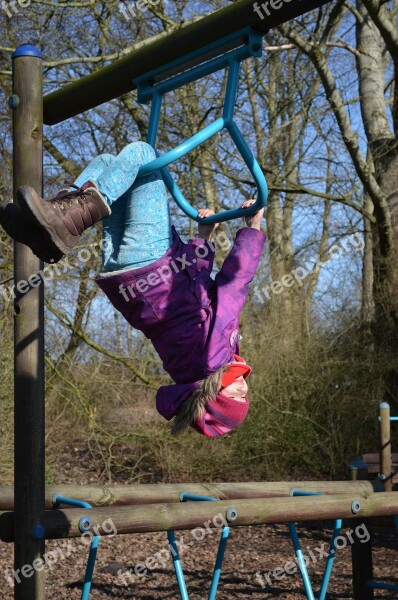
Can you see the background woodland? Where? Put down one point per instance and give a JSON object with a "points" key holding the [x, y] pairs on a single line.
{"points": [[320, 112]]}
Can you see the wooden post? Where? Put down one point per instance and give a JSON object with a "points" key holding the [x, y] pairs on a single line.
{"points": [[27, 105], [385, 447], [362, 566]]}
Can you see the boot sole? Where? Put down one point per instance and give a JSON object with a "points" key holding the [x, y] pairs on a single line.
{"points": [[26, 201], [36, 239]]}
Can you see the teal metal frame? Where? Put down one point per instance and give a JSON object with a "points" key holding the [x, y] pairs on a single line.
{"points": [[85, 524], [149, 89], [184, 497], [300, 556]]}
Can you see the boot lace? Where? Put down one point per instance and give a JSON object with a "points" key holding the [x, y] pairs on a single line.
{"points": [[69, 197]]}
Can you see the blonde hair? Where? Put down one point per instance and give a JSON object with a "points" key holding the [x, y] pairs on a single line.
{"points": [[194, 406]]}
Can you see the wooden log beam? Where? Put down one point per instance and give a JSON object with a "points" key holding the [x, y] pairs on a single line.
{"points": [[164, 493], [188, 515], [116, 79]]}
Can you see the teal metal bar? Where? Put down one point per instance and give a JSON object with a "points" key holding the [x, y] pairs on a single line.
{"points": [[154, 119], [301, 562], [182, 149], [376, 585], [330, 560], [90, 568], [177, 566], [219, 560], [300, 557], [88, 576], [215, 57], [185, 496]]}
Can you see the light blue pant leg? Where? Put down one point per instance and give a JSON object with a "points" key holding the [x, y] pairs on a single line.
{"points": [[95, 168], [138, 231]]}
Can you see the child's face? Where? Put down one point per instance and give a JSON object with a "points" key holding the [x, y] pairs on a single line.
{"points": [[236, 390]]}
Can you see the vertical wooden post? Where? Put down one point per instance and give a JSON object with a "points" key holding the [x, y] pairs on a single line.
{"points": [[385, 447], [27, 105], [362, 566]]}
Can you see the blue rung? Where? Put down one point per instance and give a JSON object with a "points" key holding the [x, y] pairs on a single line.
{"points": [[185, 496], [88, 576], [377, 585], [148, 89]]}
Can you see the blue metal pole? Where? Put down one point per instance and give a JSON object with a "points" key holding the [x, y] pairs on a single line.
{"points": [[153, 125], [88, 577], [251, 163], [382, 586], [177, 566], [301, 562], [330, 560], [219, 561], [232, 89], [90, 568]]}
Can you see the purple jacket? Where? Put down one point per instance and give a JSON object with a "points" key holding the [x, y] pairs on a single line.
{"points": [[191, 319]]}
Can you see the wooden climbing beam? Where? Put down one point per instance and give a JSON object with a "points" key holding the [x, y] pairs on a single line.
{"points": [[164, 493], [115, 79], [113, 520]]}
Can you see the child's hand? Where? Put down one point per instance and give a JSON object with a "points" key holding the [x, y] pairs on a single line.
{"points": [[255, 220], [205, 231]]}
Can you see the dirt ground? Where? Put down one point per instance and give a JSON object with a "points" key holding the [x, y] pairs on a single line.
{"points": [[251, 553], [258, 563]]}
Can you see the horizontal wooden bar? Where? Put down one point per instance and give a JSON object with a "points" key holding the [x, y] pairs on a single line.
{"points": [[115, 79], [113, 520], [163, 493]]}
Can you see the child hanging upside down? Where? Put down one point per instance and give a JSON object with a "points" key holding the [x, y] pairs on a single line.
{"points": [[161, 285]]}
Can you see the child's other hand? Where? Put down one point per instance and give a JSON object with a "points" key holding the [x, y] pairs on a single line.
{"points": [[205, 231], [255, 220]]}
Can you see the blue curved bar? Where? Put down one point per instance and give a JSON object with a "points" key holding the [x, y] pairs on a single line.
{"points": [[88, 576], [155, 92], [182, 149]]}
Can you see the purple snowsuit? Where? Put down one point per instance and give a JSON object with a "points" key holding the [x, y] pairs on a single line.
{"points": [[191, 319]]}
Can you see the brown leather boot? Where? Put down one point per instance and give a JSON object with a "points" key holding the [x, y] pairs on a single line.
{"points": [[65, 217], [21, 229]]}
